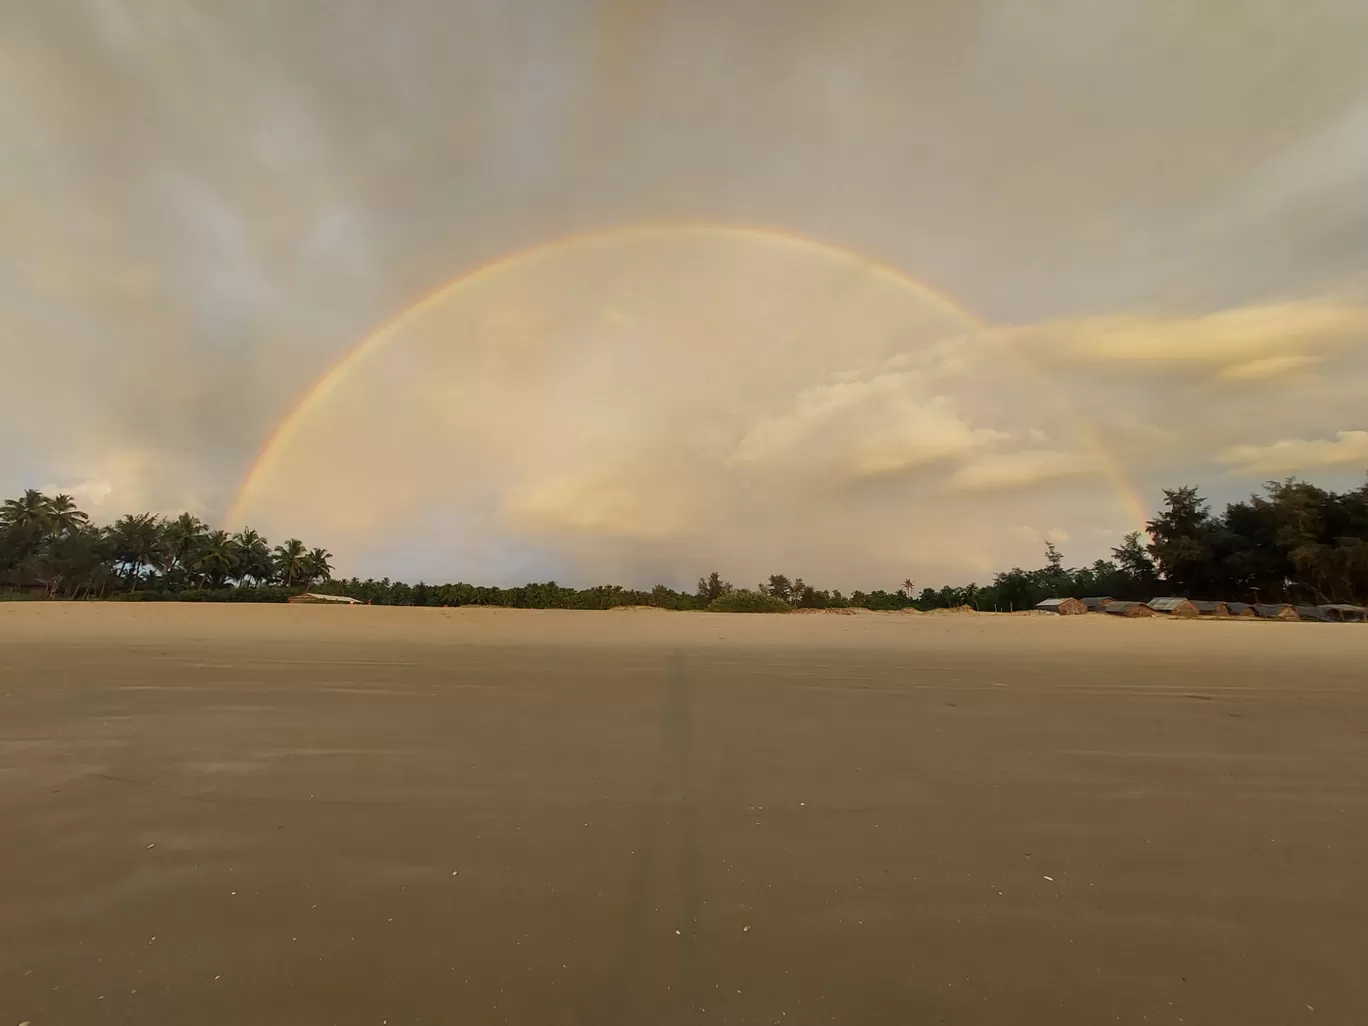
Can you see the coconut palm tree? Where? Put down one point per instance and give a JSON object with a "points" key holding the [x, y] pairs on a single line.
{"points": [[317, 566], [181, 537], [45, 568], [25, 524], [64, 517], [137, 541], [88, 560], [291, 560], [254, 557], [32, 512], [71, 562], [216, 558]]}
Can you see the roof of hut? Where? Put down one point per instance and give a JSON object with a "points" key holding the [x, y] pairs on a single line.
{"points": [[1275, 610], [1064, 606], [1128, 609], [1171, 604]]}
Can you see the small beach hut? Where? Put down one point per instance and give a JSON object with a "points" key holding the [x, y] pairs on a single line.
{"points": [[1128, 609], [1239, 609], [1341, 612], [1275, 611], [1210, 608], [1097, 603], [1062, 606], [1316, 614], [1173, 606]]}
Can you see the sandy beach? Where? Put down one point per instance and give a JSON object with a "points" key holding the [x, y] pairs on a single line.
{"points": [[221, 814]]}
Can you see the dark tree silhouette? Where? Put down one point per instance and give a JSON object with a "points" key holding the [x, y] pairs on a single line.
{"points": [[1295, 542]]}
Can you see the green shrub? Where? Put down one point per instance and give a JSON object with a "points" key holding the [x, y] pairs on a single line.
{"points": [[266, 593], [744, 601]]}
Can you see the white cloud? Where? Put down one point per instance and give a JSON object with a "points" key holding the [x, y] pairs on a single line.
{"points": [[1271, 368], [1000, 471], [128, 480], [86, 493], [1256, 342], [864, 429], [1294, 455]]}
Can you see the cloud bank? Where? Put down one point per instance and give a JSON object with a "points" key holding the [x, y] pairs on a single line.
{"points": [[1299, 455]]}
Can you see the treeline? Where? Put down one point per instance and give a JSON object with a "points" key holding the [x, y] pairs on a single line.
{"points": [[49, 548], [1131, 573], [1295, 543], [712, 593]]}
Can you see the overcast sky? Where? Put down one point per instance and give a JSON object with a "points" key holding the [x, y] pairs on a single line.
{"points": [[1155, 214]]}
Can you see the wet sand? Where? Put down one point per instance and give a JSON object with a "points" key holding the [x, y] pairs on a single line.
{"points": [[285, 815]]}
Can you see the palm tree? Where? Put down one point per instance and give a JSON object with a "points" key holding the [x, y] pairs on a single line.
{"points": [[25, 524], [137, 539], [45, 567], [907, 586], [87, 556], [181, 537], [254, 556], [72, 562], [291, 560], [217, 558], [33, 512], [317, 567], [63, 515]]}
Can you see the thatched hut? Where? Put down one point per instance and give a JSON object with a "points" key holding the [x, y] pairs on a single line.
{"points": [[1173, 606], [1128, 609], [1275, 611], [1341, 612], [1062, 606], [1210, 608], [1240, 609], [1097, 603], [1316, 614]]}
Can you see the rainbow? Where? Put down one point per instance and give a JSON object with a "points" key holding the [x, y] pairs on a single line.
{"points": [[317, 394]]}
